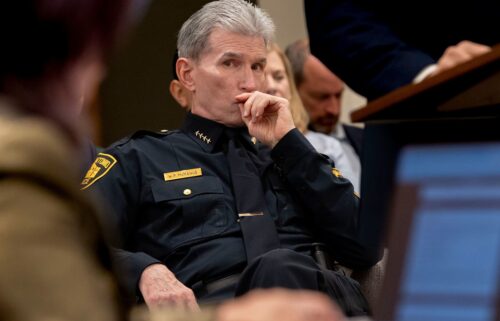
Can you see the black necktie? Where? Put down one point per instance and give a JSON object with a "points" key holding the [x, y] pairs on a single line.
{"points": [[257, 226]]}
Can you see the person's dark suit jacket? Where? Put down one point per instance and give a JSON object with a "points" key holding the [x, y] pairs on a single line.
{"points": [[355, 137], [376, 46]]}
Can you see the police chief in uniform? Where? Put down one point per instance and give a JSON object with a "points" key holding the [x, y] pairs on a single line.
{"points": [[236, 198]]}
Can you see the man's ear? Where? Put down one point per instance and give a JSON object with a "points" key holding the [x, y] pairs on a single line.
{"points": [[184, 68], [176, 90]]}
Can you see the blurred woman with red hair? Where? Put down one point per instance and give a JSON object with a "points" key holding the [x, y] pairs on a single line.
{"points": [[53, 54]]}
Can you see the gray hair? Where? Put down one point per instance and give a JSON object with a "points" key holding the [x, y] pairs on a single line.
{"points": [[236, 16], [297, 54]]}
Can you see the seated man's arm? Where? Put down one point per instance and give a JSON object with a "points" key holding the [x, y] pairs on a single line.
{"points": [[327, 197], [114, 179], [160, 287], [157, 284]]}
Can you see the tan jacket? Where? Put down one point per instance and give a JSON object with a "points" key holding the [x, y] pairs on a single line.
{"points": [[49, 236]]}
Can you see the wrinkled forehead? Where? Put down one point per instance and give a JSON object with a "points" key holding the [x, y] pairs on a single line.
{"points": [[221, 42]]}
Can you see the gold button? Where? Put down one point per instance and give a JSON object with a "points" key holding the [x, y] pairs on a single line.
{"points": [[187, 192]]}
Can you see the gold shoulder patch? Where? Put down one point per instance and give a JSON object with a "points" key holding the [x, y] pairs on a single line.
{"points": [[101, 166], [336, 172]]}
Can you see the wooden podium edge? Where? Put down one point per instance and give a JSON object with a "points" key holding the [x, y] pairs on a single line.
{"points": [[404, 93]]}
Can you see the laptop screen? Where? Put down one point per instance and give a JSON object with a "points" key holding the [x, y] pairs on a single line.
{"points": [[444, 239]]}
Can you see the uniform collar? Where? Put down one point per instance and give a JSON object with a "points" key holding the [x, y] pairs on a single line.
{"points": [[205, 132], [208, 133], [243, 136]]}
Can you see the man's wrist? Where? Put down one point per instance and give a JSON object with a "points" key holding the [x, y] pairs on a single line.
{"points": [[290, 148], [425, 73], [279, 137]]}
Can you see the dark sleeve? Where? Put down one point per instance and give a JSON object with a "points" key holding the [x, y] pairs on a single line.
{"points": [[130, 266], [328, 200], [353, 40], [119, 190]]}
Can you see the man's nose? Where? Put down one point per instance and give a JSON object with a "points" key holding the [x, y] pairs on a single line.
{"points": [[248, 82], [333, 106]]}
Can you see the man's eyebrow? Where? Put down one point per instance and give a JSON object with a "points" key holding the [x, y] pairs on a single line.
{"points": [[262, 61], [230, 54]]}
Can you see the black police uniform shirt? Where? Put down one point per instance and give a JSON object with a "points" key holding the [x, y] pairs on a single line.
{"points": [[172, 200]]}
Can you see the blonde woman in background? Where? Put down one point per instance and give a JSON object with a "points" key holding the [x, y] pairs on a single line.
{"points": [[280, 83]]}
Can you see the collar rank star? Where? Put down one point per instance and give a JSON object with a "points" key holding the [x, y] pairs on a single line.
{"points": [[203, 137]]}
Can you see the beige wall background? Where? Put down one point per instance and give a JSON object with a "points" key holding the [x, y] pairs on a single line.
{"points": [[290, 26]]}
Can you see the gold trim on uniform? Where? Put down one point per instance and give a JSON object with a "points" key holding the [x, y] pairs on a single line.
{"points": [[101, 166], [250, 214], [336, 172], [193, 172]]}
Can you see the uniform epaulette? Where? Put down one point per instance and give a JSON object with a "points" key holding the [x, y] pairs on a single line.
{"points": [[145, 132], [141, 133]]}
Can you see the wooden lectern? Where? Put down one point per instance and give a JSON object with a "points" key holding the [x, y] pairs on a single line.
{"points": [[459, 105]]}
